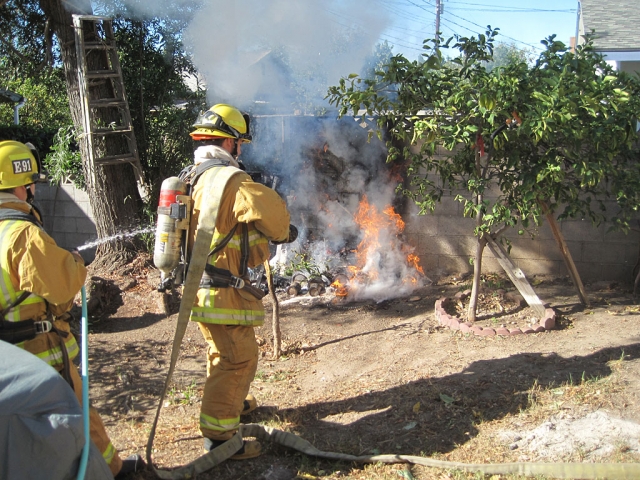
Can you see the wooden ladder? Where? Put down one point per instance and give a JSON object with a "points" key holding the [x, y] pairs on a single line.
{"points": [[106, 115]]}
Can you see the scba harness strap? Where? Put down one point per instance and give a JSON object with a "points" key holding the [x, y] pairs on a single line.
{"points": [[214, 277], [16, 332], [23, 330]]}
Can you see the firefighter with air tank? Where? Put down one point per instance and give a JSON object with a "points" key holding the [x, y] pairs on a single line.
{"points": [[227, 307]]}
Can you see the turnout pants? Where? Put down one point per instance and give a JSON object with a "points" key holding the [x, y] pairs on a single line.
{"points": [[232, 360], [97, 431]]}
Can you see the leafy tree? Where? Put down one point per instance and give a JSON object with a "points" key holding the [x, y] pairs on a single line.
{"points": [[507, 53], [41, 66], [559, 134], [29, 66], [46, 100], [378, 60]]}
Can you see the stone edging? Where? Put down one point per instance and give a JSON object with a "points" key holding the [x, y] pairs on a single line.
{"points": [[455, 323]]}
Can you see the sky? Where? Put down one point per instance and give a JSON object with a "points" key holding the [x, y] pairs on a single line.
{"points": [[522, 22], [224, 37]]}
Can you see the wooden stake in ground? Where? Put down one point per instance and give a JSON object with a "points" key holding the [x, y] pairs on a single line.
{"points": [[566, 255], [275, 316], [516, 276]]}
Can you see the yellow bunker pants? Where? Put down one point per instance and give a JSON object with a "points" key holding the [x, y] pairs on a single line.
{"points": [[232, 360]]}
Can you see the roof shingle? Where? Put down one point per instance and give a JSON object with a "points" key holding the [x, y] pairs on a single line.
{"points": [[616, 23]]}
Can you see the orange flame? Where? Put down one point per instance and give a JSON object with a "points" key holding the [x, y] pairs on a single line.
{"points": [[340, 289], [414, 260], [393, 216], [375, 227]]}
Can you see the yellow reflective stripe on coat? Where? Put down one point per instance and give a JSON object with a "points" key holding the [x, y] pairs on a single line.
{"points": [[219, 425], [53, 356], [109, 453], [9, 294]]}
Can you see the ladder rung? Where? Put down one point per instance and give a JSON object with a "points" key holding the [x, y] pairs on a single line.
{"points": [[116, 159], [98, 46], [102, 74], [109, 131], [107, 103]]}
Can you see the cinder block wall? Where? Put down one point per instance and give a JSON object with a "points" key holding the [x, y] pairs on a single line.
{"points": [[67, 214], [444, 240], [445, 243]]}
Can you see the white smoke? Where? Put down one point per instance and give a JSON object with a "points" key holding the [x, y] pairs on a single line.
{"points": [[247, 51], [226, 38]]}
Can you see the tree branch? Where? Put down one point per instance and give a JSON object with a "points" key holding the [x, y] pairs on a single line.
{"points": [[13, 49]]}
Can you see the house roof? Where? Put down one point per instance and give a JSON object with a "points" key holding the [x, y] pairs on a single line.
{"points": [[7, 96], [616, 24]]}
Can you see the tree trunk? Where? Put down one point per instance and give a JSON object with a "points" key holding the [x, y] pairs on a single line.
{"points": [[112, 190], [480, 244], [477, 271]]}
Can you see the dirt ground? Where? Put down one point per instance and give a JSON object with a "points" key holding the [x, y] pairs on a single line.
{"points": [[373, 378]]}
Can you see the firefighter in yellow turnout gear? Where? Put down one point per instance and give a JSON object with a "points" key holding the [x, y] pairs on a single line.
{"points": [[39, 282], [249, 216]]}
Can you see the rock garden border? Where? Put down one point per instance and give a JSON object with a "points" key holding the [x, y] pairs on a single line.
{"points": [[548, 322]]}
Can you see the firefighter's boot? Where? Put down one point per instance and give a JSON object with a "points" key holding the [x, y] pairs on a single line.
{"points": [[249, 405], [131, 464]]}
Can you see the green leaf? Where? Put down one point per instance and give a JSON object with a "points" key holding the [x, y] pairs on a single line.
{"points": [[406, 474], [446, 399]]}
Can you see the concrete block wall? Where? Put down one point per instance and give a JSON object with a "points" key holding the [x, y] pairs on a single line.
{"points": [[67, 214], [445, 243], [444, 240]]}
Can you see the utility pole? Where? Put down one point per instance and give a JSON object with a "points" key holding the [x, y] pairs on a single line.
{"points": [[438, 12]]}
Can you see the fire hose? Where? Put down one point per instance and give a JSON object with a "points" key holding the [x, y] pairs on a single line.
{"points": [[206, 227]]}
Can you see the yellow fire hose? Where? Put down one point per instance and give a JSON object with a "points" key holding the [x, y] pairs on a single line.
{"points": [[218, 455]]}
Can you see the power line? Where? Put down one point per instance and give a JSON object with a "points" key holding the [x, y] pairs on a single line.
{"points": [[511, 8], [481, 26], [396, 39]]}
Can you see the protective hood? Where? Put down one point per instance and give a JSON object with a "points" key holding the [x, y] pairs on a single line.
{"points": [[213, 152]]}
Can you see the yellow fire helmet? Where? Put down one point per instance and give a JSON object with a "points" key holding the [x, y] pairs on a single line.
{"points": [[222, 120], [19, 165]]}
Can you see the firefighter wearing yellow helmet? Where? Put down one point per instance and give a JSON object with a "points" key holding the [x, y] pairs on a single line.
{"points": [[249, 216], [39, 282]]}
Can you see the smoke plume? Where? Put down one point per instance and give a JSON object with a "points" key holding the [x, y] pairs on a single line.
{"points": [[259, 55]]}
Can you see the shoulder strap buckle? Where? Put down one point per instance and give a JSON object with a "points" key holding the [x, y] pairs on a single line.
{"points": [[44, 326], [236, 282]]}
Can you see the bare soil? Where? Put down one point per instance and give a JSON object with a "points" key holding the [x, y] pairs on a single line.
{"points": [[368, 378]]}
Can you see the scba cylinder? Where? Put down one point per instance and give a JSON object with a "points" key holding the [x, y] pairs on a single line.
{"points": [[172, 216]]}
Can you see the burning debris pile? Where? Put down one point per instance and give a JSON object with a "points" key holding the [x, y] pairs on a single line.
{"points": [[383, 265], [341, 195]]}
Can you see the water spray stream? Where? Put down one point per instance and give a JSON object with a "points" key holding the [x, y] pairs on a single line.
{"points": [[117, 236]]}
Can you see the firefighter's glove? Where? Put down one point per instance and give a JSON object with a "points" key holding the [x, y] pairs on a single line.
{"points": [[80, 258], [293, 234], [76, 255]]}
